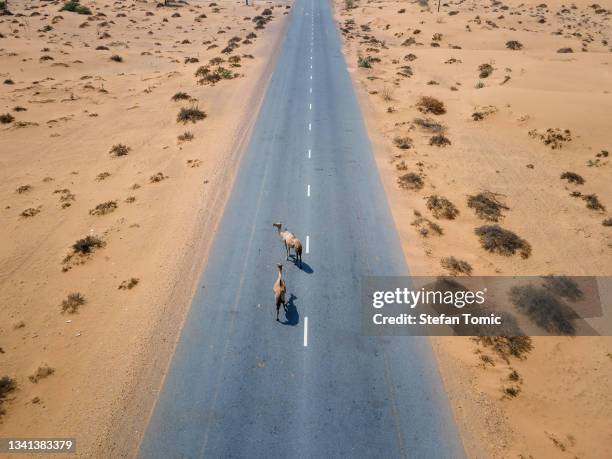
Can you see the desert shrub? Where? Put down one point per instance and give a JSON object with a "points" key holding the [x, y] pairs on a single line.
{"points": [[428, 104], [439, 140], [496, 239], [30, 212], [544, 308], [73, 6], [512, 391], [565, 50], [119, 150], [186, 136], [507, 346], [563, 286], [514, 45], [593, 203], [456, 266], [485, 70], [410, 181], [158, 177], [430, 125], [23, 189], [87, 245], [555, 138], [187, 114], [572, 177], [441, 207], [364, 62], [7, 386], [426, 227], [6, 118], [403, 142], [607, 222], [487, 206], [72, 303], [181, 96], [42, 372], [116, 58], [129, 284], [104, 208]]}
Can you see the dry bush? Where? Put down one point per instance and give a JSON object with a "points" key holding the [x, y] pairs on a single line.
{"points": [[30, 212], [402, 142], [496, 239], [116, 58], [186, 136], [593, 203], [485, 70], [102, 176], [426, 227], [129, 284], [6, 118], [181, 96], [410, 181], [87, 245], [41, 372], [7, 386], [555, 138], [119, 150], [514, 45], [188, 114], [487, 206], [104, 208], [456, 266], [23, 189], [507, 346], [158, 177], [563, 286], [441, 207], [72, 303], [439, 140], [544, 308], [572, 177], [428, 104], [607, 222], [430, 125]]}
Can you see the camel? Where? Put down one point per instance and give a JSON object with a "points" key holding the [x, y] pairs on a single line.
{"points": [[279, 290], [291, 242]]}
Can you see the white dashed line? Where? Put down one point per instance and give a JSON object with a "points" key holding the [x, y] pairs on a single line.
{"points": [[309, 106], [308, 191], [307, 244], [309, 153], [310, 90], [309, 126], [305, 331]]}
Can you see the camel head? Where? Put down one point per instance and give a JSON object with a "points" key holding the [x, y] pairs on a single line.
{"points": [[278, 225]]}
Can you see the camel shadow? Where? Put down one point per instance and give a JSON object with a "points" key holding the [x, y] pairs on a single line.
{"points": [[303, 265], [292, 317]]}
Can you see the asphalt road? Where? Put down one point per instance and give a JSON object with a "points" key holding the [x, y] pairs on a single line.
{"points": [[243, 385]]}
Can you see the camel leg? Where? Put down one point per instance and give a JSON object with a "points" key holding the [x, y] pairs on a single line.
{"points": [[277, 309]]}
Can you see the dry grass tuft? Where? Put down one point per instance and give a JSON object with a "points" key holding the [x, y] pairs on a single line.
{"points": [[104, 208], [456, 266], [119, 150], [428, 104], [496, 239], [129, 284], [72, 303], [544, 308], [487, 206], [410, 181], [190, 114], [441, 207]]}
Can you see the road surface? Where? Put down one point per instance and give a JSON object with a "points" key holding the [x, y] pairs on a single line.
{"points": [[243, 385]]}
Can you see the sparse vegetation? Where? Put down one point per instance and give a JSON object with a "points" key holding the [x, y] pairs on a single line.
{"points": [[553, 137], [104, 208], [430, 125], [181, 96], [7, 386], [496, 239], [514, 45], [23, 189], [72, 303], [30, 212], [364, 62], [410, 181], [190, 114], [441, 207], [116, 58], [456, 266], [572, 177], [129, 284], [6, 118], [607, 222], [428, 104], [119, 150], [155, 178], [41, 372], [507, 346], [86, 245], [186, 136], [593, 203], [403, 143], [544, 308], [426, 227], [74, 6], [439, 140], [485, 70], [487, 206]]}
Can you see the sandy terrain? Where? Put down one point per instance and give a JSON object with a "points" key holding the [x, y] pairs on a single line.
{"points": [[503, 82], [90, 148]]}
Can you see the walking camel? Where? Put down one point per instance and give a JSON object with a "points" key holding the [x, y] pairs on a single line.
{"points": [[291, 242], [279, 290]]}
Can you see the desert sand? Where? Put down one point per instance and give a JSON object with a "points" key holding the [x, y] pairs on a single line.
{"points": [[93, 151], [518, 113]]}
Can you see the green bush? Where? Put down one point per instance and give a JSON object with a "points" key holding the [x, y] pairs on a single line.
{"points": [[74, 6]]}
